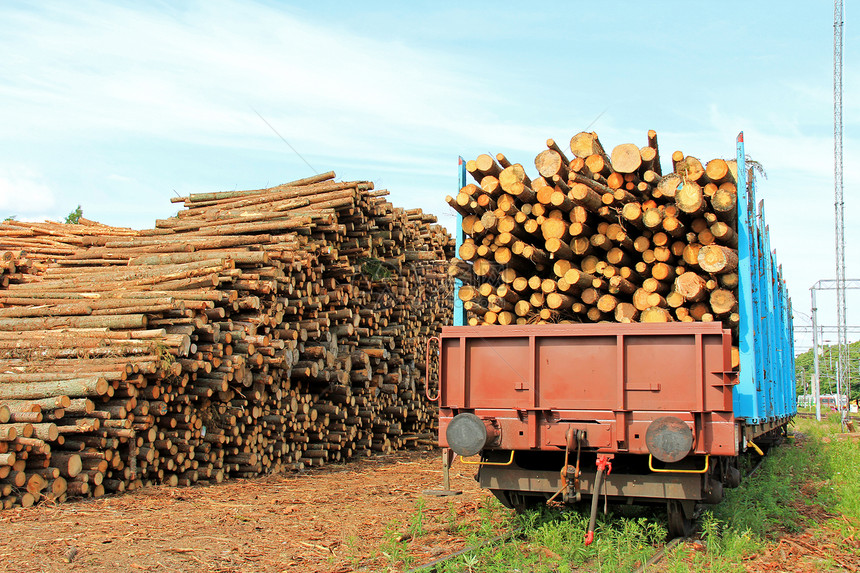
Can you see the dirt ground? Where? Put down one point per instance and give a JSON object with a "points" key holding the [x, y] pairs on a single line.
{"points": [[334, 519], [331, 519]]}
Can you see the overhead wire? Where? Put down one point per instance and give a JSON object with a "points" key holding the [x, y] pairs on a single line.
{"points": [[285, 141]]}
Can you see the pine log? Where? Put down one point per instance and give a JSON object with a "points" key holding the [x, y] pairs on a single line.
{"points": [[691, 286], [626, 312], [722, 302], [652, 143], [92, 386], [585, 143], [668, 186], [48, 323], [717, 171], [655, 314], [718, 259], [689, 168], [724, 233], [690, 199], [550, 162], [513, 175], [724, 203], [626, 158]]}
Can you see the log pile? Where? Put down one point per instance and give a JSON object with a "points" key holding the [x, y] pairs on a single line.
{"points": [[598, 237], [255, 331]]}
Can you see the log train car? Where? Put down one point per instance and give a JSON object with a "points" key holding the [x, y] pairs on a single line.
{"points": [[641, 413]]}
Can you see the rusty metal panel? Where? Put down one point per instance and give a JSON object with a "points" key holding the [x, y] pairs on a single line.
{"points": [[661, 370], [539, 380], [576, 372], [451, 382], [643, 486], [577, 366], [497, 372]]}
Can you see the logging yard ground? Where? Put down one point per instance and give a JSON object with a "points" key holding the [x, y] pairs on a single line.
{"points": [[799, 512], [331, 519]]}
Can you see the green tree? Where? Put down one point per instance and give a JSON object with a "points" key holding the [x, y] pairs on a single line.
{"points": [[804, 369], [75, 216]]}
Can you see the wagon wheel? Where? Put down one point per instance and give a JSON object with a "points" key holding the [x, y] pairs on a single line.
{"points": [[517, 500], [679, 524], [502, 496]]}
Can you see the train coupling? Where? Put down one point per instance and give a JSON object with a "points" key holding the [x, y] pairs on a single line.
{"points": [[570, 473], [604, 468]]}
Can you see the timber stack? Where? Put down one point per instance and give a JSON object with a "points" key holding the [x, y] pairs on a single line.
{"points": [[598, 236], [256, 331]]}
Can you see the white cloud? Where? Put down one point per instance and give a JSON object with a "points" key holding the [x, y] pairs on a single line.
{"points": [[119, 178], [98, 75], [101, 68], [24, 193]]}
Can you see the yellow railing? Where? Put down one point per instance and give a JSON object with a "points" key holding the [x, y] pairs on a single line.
{"points": [[668, 471], [507, 463]]}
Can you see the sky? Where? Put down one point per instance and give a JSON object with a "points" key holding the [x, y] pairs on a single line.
{"points": [[118, 106]]}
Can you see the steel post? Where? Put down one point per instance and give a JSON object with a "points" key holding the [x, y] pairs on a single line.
{"points": [[745, 395], [459, 236], [816, 385]]}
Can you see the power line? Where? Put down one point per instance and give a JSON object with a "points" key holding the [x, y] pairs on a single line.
{"points": [[285, 141], [825, 329], [596, 118]]}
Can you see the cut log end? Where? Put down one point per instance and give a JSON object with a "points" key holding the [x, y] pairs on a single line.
{"points": [[626, 158]]}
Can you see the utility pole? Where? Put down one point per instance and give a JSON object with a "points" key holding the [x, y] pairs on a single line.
{"points": [[818, 330], [842, 366], [816, 374]]}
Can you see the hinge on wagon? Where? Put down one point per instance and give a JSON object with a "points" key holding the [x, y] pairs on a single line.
{"points": [[728, 378], [523, 413], [572, 493], [496, 433], [569, 489]]}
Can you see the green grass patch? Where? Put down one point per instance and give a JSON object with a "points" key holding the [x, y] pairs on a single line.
{"points": [[801, 486], [806, 487], [550, 540], [766, 502]]}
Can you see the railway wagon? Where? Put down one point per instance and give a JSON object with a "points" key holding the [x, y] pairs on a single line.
{"points": [[642, 413]]}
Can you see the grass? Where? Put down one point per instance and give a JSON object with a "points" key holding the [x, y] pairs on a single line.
{"points": [[552, 540], [806, 489], [416, 521], [395, 551], [799, 488]]}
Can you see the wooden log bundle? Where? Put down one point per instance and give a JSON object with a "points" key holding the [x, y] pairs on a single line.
{"points": [[599, 235], [255, 331]]}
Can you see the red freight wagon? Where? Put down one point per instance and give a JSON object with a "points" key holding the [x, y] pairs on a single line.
{"points": [[548, 405], [543, 402], [640, 413]]}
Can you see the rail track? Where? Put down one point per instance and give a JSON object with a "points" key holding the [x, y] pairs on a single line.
{"points": [[656, 558], [431, 565], [811, 415]]}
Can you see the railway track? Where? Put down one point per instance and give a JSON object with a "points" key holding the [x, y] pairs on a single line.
{"points": [[432, 565], [656, 558], [811, 415]]}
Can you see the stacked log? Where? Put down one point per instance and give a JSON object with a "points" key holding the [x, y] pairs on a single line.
{"points": [[255, 331], [34, 245], [598, 236]]}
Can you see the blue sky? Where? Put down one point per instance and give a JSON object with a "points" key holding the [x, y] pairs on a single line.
{"points": [[118, 106]]}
